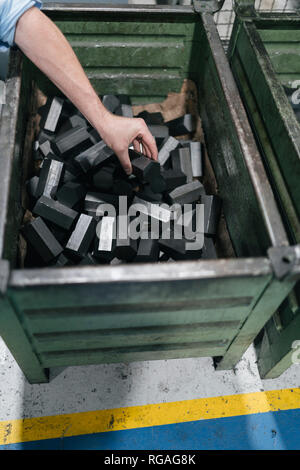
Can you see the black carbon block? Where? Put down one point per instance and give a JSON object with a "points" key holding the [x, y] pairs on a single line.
{"points": [[95, 136], [147, 194], [82, 236], [103, 178], [111, 102], [44, 135], [93, 200], [181, 160], [105, 240], [124, 110], [73, 121], [62, 261], [169, 144], [126, 248], [42, 240], [182, 125], [88, 260], [45, 148], [195, 149], [72, 142], [51, 113], [209, 250], [155, 119], [55, 212], [177, 249], [148, 251], [143, 167], [174, 178], [86, 160], [31, 186], [212, 212], [187, 193], [50, 176], [124, 99], [122, 187], [71, 193]]}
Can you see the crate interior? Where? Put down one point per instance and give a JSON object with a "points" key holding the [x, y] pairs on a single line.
{"points": [[147, 60]]}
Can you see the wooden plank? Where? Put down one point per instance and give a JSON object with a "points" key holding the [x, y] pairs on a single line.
{"points": [[141, 353]]}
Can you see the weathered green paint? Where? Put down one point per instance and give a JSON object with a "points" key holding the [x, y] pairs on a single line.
{"points": [[275, 350], [263, 54], [140, 312]]}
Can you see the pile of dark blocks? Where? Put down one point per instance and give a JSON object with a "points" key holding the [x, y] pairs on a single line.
{"points": [[78, 173], [293, 95]]}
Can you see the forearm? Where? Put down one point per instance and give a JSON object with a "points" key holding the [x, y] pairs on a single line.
{"points": [[45, 45]]}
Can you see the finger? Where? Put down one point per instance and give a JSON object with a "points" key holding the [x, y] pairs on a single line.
{"points": [[146, 150], [136, 145], [149, 141], [125, 161]]}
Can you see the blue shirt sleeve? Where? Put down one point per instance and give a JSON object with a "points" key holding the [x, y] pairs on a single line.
{"points": [[10, 12]]}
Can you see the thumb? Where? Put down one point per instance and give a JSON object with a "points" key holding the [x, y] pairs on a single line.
{"points": [[125, 161]]}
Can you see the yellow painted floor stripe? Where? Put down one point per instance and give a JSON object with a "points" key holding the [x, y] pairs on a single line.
{"points": [[50, 427]]}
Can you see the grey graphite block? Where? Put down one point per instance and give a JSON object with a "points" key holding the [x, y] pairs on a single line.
{"points": [[181, 160], [55, 212], [212, 212], [71, 193], [50, 177], [111, 102], [42, 240], [169, 144], [82, 236], [62, 261], [196, 157], [105, 240], [72, 142], [159, 131], [187, 193], [51, 113], [182, 125]]}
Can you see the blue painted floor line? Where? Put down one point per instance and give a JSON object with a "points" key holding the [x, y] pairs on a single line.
{"points": [[264, 431]]}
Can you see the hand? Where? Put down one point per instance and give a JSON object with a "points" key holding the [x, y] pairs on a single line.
{"points": [[120, 132]]}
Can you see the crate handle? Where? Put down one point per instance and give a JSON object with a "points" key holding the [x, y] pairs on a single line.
{"points": [[207, 6]]}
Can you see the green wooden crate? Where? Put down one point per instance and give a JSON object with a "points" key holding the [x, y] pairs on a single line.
{"points": [[71, 316]]}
